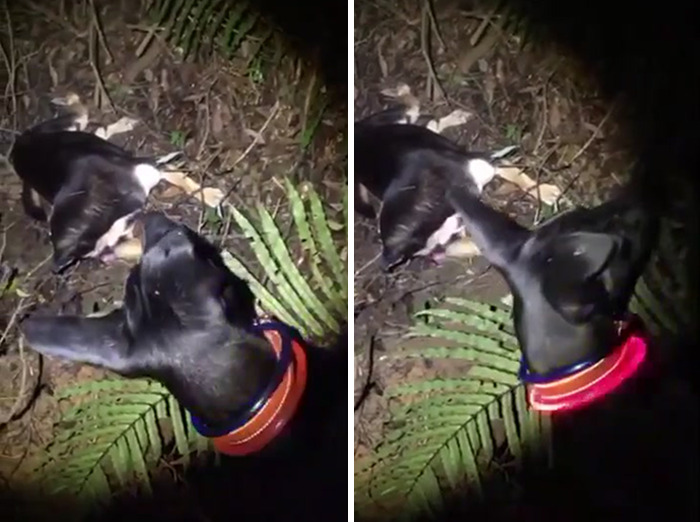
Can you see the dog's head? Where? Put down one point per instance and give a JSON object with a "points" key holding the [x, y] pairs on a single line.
{"points": [[571, 278], [186, 322]]}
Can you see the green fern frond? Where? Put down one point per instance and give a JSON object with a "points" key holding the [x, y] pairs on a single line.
{"points": [[315, 306], [216, 24], [446, 434], [110, 437]]}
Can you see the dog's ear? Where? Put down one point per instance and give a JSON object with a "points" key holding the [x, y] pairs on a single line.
{"points": [[98, 341], [570, 276]]}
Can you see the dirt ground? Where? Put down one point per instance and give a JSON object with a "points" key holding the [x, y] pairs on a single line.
{"points": [[239, 128], [537, 98]]}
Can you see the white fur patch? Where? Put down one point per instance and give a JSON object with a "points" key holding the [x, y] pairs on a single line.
{"points": [[148, 176], [481, 171], [451, 227], [119, 229]]}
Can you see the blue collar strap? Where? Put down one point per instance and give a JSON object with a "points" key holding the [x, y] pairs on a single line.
{"points": [[247, 412], [527, 376]]}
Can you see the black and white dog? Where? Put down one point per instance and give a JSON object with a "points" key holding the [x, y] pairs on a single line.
{"points": [[402, 159], [88, 188]]}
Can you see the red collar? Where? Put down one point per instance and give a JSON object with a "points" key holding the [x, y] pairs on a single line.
{"points": [[593, 382], [260, 430]]}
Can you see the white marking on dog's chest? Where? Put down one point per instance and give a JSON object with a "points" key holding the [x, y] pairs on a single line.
{"points": [[481, 171], [147, 176]]}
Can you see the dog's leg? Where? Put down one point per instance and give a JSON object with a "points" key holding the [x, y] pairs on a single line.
{"points": [[32, 203], [549, 194], [210, 196], [121, 126], [362, 202]]}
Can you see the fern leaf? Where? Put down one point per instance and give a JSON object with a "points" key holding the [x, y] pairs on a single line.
{"points": [[242, 32], [324, 237], [181, 442], [292, 273], [190, 43], [309, 246], [139, 464], [283, 286], [267, 300], [441, 437]]}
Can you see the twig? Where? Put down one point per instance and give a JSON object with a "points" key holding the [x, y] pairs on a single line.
{"points": [[144, 61], [367, 265], [258, 135], [9, 56], [473, 55], [101, 90], [476, 35], [545, 112], [433, 81], [594, 135], [12, 321], [23, 383], [100, 32], [435, 26], [368, 385]]}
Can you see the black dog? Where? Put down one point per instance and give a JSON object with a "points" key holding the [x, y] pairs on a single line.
{"points": [[92, 187], [405, 166], [185, 322], [573, 276], [188, 322]]}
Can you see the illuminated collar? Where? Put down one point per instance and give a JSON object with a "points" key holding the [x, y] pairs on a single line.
{"points": [[259, 422], [581, 383]]}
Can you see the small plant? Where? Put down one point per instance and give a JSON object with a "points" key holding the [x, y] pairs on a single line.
{"points": [[178, 138], [445, 435]]}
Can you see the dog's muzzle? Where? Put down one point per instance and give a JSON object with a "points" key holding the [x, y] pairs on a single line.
{"points": [[274, 407], [582, 383]]}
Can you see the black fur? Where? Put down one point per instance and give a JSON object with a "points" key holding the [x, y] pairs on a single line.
{"points": [[408, 167], [185, 322], [87, 181], [573, 276]]}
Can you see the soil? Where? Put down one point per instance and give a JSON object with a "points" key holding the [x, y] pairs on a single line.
{"points": [[240, 130], [541, 99]]}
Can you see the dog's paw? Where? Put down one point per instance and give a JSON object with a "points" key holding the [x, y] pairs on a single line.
{"points": [[549, 194]]}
